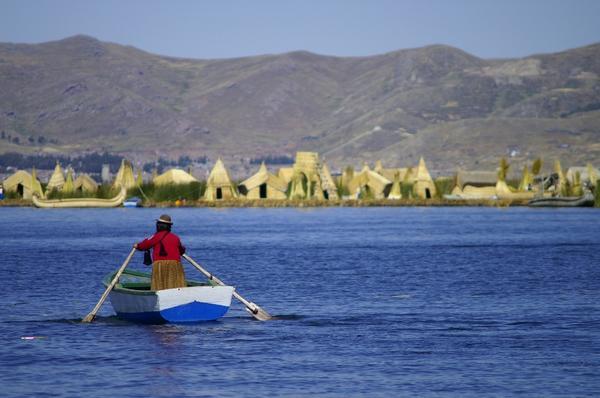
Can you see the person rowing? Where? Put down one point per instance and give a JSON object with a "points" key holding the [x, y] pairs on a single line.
{"points": [[167, 273], [167, 270]]}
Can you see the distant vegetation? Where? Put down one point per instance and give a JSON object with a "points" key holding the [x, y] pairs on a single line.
{"points": [[444, 186], [273, 160], [169, 192], [149, 192], [163, 164], [32, 140], [89, 163], [597, 194], [407, 190]]}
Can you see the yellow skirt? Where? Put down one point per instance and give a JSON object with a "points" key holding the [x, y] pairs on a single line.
{"points": [[167, 274]]}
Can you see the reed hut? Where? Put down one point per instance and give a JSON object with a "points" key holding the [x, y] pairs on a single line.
{"points": [[174, 176], [124, 176], [85, 184], [306, 175], [476, 178], [423, 186], [475, 184], [219, 185], [390, 173], [470, 192], [396, 190], [263, 185], [24, 184], [309, 178], [369, 184], [57, 179]]}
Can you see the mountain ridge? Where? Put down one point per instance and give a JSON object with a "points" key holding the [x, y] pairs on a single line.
{"points": [[87, 95]]}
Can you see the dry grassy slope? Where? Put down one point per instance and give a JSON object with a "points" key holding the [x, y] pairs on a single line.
{"points": [[438, 101]]}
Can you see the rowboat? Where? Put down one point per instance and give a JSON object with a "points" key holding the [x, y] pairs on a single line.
{"points": [[80, 202], [586, 200], [133, 300], [132, 202]]}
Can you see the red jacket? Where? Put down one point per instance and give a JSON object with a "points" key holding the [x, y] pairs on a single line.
{"points": [[169, 240]]}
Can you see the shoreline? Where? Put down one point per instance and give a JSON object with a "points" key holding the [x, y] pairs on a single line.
{"points": [[266, 203]]}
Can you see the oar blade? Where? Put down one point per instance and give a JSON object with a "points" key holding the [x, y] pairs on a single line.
{"points": [[253, 309], [259, 313], [88, 318]]}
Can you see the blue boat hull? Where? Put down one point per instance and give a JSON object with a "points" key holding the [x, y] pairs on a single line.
{"points": [[191, 312], [133, 300]]}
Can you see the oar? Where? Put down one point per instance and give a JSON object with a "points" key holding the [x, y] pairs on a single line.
{"points": [[90, 317], [252, 308]]}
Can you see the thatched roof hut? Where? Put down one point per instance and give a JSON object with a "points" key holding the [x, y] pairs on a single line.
{"points": [[24, 184], [85, 183], [396, 190], [390, 173], [369, 183], [219, 185], [57, 179], [124, 176], [423, 186], [174, 176], [263, 185]]}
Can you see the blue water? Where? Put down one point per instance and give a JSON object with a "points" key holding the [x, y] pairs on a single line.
{"points": [[377, 302]]}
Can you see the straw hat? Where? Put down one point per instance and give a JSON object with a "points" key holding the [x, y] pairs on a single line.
{"points": [[165, 219]]}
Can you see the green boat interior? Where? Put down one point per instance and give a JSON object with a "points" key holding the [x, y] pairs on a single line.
{"points": [[140, 281]]}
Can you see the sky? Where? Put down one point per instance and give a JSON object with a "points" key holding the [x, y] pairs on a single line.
{"points": [[236, 28]]}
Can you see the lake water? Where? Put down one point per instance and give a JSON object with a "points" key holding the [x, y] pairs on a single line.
{"points": [[374, 302]]}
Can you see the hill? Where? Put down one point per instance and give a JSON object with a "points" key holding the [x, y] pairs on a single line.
{"points": [[80, 94]]}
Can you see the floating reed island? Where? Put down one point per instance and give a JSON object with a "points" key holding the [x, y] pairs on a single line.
{"points": [[308, 183]]}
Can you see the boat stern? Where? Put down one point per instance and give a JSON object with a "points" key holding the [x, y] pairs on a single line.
{"points": [[193, 304]]}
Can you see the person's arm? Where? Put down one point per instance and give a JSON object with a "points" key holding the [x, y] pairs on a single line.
{"points": [[148, 243]]}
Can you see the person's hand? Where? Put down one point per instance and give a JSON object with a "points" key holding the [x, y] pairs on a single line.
{"points": [[135, 245]]}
